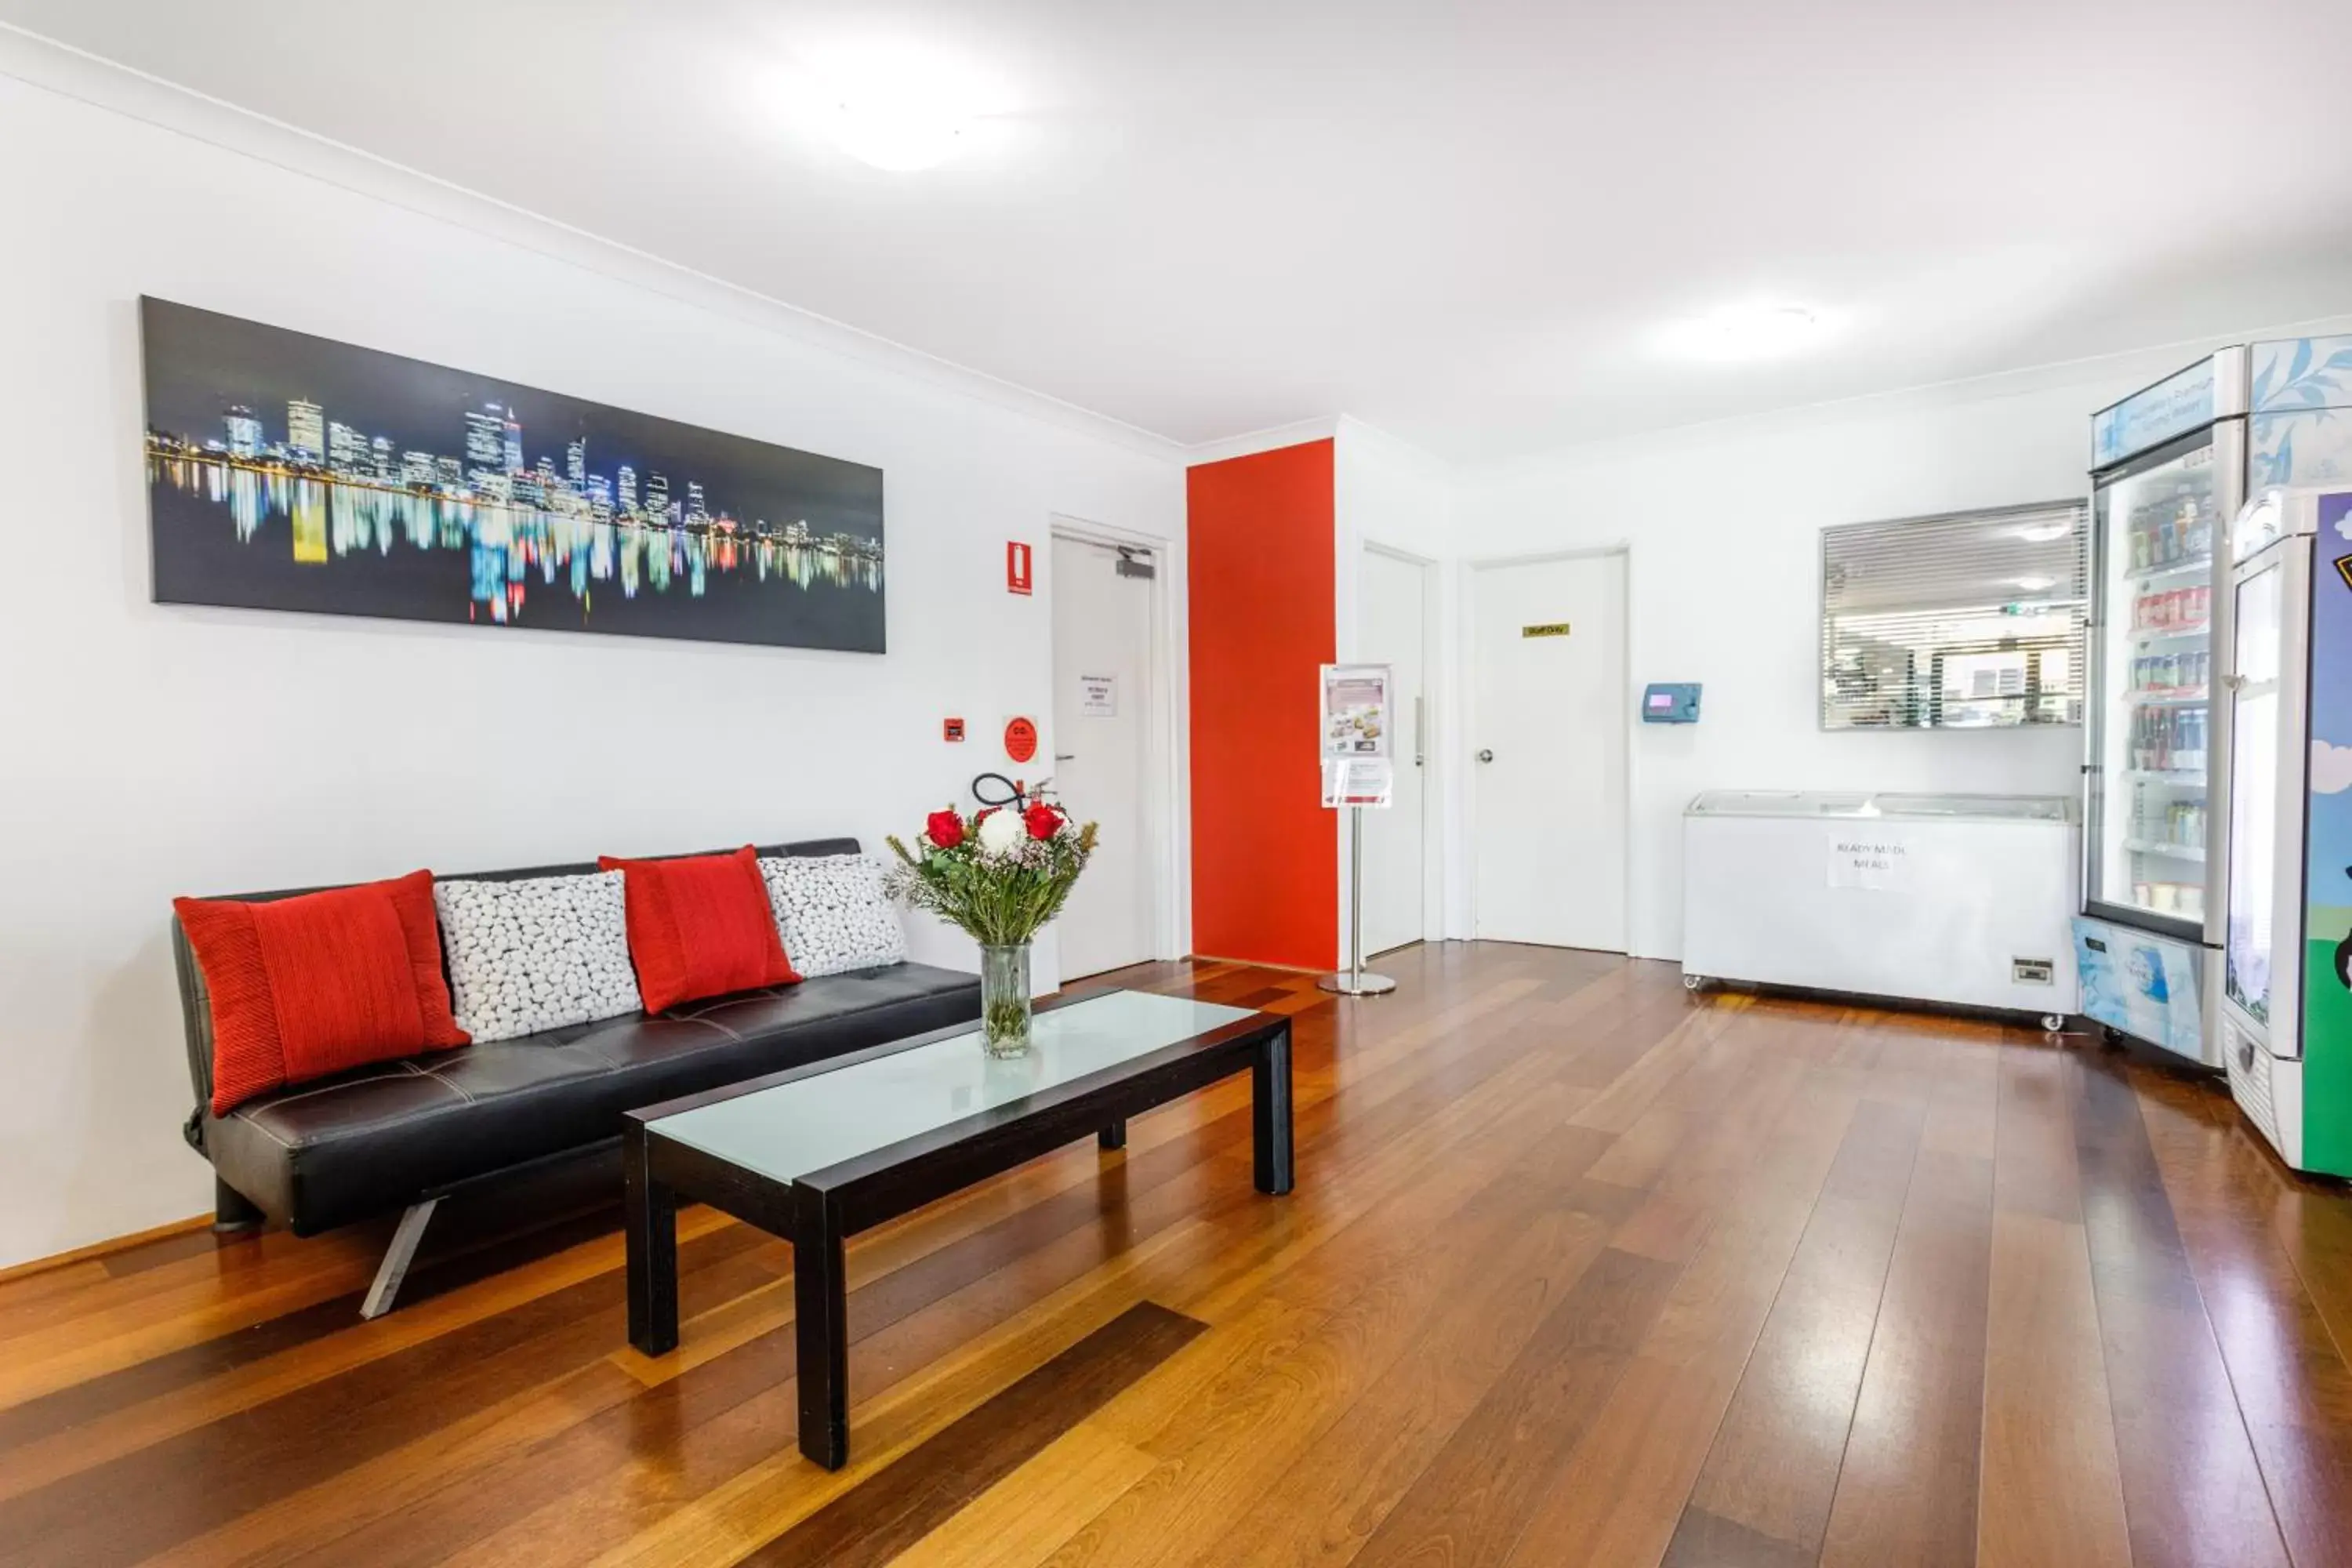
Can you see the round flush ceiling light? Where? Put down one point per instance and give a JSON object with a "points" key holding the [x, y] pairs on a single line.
{"points": [[896, 105], [1745, 331], [901, 136]]}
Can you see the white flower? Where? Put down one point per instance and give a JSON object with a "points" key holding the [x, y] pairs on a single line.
{"points": [[1001, 833]]}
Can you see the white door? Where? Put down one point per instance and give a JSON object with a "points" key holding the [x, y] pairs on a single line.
{"points": [[1103, 626], [1392, 593], [1548, 742]]}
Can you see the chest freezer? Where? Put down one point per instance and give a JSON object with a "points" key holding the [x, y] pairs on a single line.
{"points": [[1955, 900]]}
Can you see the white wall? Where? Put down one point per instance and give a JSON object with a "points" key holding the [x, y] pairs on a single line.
{"points": [[1723, 525], [155, 751]]}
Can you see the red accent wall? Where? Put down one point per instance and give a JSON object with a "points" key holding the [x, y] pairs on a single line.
{"points": [[1266, 875]]}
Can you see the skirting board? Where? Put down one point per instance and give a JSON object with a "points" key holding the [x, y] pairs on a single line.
{"points": [[101, 1249], [1255, 963]]}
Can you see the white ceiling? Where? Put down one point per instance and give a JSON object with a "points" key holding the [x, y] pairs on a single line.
{"points": [[1467, 223]]}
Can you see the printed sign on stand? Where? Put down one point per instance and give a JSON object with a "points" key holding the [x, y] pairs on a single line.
{"points": [[1359, 719]]}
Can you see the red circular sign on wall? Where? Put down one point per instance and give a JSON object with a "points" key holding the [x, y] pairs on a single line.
{"points": [[1020, 740]]}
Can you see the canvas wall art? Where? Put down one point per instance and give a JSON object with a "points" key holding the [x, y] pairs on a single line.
{"points": [[289, 472]]}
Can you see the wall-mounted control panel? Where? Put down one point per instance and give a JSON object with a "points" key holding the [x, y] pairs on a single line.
{"points": [[1670, 702]]}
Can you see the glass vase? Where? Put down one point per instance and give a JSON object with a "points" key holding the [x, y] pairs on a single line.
{"points": [[1005, 1000]]}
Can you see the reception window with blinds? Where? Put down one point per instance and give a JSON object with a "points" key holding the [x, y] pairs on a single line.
{"points": [[1971, 621]]}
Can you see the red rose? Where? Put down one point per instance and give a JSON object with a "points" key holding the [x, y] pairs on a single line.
{"points": [[944, 828], [1043, 820]]}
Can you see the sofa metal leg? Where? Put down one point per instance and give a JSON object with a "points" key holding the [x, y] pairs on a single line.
{"points": [[397, 1257], [232, 1212]]}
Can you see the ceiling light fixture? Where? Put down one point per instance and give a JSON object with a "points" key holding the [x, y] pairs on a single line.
{"points": [[901, 136], [2036, 584], [896, 106], [1745, 331], [2043, 532]]}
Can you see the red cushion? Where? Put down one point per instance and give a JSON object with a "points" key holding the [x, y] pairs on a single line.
{"points": [[306, 986], [699, 927]]}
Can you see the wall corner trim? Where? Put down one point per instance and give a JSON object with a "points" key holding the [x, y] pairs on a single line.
{"points": [[1250, 443]]}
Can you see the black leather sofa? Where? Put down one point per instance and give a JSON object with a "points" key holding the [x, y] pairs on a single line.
{"points": [[402, 1135]]}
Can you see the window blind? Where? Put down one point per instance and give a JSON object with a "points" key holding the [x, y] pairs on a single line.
{"points": [[1970, 620]]}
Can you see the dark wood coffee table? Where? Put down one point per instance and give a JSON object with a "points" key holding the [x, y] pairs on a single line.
{"points": [[818, 1153]]}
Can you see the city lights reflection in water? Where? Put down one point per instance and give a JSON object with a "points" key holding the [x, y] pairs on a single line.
{"points": [[332, 519]]}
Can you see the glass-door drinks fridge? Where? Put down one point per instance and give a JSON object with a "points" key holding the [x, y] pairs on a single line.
{"points": [[2169, 477], [2285, 1015]]}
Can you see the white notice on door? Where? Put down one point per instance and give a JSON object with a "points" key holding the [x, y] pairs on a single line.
{"points": [[1099, 696], [1862, 859]]}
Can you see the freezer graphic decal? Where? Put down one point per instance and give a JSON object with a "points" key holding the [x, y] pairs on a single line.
{"points": [[2144, 985], [2301, 372], [2302, 427], [2327, 871]]}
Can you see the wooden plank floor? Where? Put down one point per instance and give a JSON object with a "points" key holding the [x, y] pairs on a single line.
{"points": [[1581, 1269]]}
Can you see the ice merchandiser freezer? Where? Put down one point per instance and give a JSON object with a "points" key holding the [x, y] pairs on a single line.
{"points": [[1961, 900], [2168, 475], [2286, 992]]}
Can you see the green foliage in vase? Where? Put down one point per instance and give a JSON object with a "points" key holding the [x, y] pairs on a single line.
{"points": [[1006, 1018]]}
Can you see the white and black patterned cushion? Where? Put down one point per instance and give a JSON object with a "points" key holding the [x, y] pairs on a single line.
{"points": [[832, 912], [536, 953]]}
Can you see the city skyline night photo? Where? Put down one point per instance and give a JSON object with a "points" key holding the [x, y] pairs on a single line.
{"points": [[292, 472]]}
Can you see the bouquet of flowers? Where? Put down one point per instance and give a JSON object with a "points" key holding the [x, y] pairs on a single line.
{"points": [[998, 876]]}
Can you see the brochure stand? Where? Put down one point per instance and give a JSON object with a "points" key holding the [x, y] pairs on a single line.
{"points": [[1357, 720], [1354, 981]]}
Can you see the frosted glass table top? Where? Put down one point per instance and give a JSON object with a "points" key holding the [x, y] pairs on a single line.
{"points": [[798, 1128]]}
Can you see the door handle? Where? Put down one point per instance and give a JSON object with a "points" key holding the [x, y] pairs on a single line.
{"points": [[1065, 756], [1486, 756]]}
